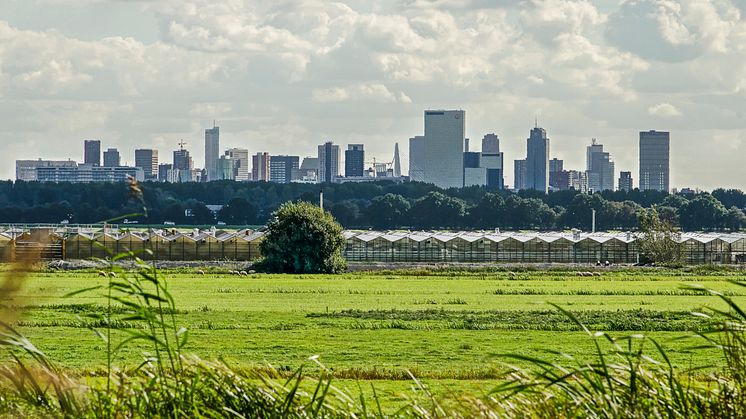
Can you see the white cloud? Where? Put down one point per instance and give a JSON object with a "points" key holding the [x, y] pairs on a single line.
{"points": [[360, 92], [664, 110]]}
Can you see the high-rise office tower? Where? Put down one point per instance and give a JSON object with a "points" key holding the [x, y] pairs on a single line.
{"points": [[537, 160], [281, 168], [328, 162], [519, 174], [147, 160], [240, 158], [112, 158], [260, 167], [444, 147], [654, 160], [417, 159], [599, 168], [354, 160], [212, 152], [625, 181], [92, 152]]}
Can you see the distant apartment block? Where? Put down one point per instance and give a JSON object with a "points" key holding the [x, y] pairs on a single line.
{"points": [[570, 179], [260, 167], [519, 174], [70, 171], [625, 181], [240, 158], [354, 160], [183, 160], [165, 170], [556, 167], [26, 170], [147, 160], [417, 159], [92, 152], [537, 161], [281, 168], [443, 148], [329, 157], [225, 169], [599, 168], [112, 158], [654, 160], [212, 152], [308, 171]]}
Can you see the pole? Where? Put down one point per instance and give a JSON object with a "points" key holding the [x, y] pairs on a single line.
{"points": [[321, 199], [593, 221]]}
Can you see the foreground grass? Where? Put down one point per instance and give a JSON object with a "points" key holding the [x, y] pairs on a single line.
{"points": [[451, 330]]}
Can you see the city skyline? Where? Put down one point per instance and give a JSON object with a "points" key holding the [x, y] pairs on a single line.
{"points": [[143, 78]]}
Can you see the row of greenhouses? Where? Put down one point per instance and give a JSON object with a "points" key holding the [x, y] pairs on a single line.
{"points": [[375, 246]]}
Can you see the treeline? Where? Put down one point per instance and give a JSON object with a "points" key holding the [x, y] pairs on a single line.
{"points": [[379, 205]]}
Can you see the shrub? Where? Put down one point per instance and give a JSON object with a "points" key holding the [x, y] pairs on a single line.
{"points": [[302, 238]]}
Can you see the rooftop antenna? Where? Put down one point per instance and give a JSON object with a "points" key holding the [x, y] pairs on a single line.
{"points": [[536, 121], [213, 123], [182, 143]]}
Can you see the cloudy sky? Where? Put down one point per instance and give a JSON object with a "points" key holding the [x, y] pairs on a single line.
{"points": [[283, 76]]}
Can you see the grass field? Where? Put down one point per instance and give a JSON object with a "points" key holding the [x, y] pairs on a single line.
{"points": [[450, 329]]}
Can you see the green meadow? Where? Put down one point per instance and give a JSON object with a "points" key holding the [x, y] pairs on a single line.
{"points": [[452, 330]]}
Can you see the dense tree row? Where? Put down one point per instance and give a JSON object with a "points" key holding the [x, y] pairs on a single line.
{"points": [[380, 205]]}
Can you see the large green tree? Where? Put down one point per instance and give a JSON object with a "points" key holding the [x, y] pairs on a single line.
{"points": [[387, 211], [238, 211], [302, 238], [437, 210], [704, 212]]}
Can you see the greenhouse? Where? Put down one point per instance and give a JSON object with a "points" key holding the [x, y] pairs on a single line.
{"points": [[381, 246]]}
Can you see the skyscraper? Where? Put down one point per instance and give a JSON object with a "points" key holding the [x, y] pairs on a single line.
{"points": [[112, 158], [328, 162], [212, 152], [260, 167], [147, 160], [444, 147], [625, 181], [92, 152], [417, 159], [491, 160], [599, 168], [654, 160], [281, 168], [397, 161], [240, 157], [537, 160], [354, 160]]}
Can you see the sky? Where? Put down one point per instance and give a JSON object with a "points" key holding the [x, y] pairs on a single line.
{"points": [[284, 76]]}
